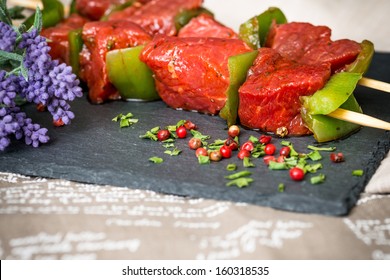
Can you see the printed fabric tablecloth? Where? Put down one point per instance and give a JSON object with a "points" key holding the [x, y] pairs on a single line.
{"points": [[57, 219]]}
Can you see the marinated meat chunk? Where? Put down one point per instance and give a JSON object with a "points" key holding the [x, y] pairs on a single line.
{"points": [[269, 98], [58, 36], [100, 37], [157, 16], [95, 9], [206, 26], [192, 73], [306, 43]]}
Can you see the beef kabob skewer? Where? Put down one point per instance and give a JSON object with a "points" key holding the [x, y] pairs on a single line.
{"points": [[301, 47], [343, 114]]}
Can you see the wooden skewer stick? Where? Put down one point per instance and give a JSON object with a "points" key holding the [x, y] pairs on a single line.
{"points": [[375, 84], [359, 118]]}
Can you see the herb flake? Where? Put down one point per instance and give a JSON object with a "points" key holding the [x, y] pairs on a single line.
{"points": [[320, 178], [237, 175], [174, 152], [326, 149], [125, 120], [358, 172], [247, 162], [231, 167], [203, 159], [240, 182], [157, 160]]}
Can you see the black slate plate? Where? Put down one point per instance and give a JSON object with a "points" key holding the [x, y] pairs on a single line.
{"points": [[93, 149]]}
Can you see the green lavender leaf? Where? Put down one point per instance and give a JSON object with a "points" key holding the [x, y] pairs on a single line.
{"points": [[11, 56], [4, 14], [38, 20], [16, 12]]}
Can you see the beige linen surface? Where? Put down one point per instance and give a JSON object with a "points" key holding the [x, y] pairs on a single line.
{"points": [[57, 219], [380, 182]]}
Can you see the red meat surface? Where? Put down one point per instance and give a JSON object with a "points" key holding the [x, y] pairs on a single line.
{"points": [[306, 43], [157, 16], [100, 37], [58, 36], [206, 26], [95, 9], [269, 98], [192, 73]]}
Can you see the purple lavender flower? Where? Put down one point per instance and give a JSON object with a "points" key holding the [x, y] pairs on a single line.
{"points": [[14, 122], [32, 75], [7, 37], [49, 83], [8, 89], [33, 133], [8, 126]]}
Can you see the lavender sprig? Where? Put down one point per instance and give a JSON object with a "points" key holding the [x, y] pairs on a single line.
{"points": [[27, 71], [8, 36]]}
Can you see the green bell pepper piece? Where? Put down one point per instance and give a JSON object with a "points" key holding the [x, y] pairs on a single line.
{"points": [[337, 93], [184, 17], [72, 9], [75, 46], [249, 32], [363, 61], [132, 78], [52, 14], [238, 68], [326, 128], [255, 30]]}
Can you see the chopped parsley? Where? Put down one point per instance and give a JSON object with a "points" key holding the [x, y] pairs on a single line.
{"points": [[247, 162], [358, 172], [240, 182], [237, 175], [231, 167], [174, 152], [125, 120], [157, 160], [320, 178], [203, 159], [326, 149]]}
